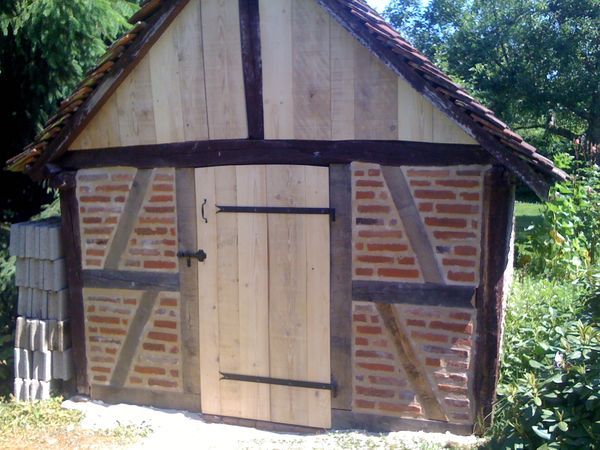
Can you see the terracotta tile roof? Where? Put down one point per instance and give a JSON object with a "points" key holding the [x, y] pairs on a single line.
{"points": [[354, 15]]}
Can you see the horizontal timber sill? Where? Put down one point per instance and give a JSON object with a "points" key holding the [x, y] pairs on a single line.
{"points": [[124, 279], [428, 294], [306, 152]]}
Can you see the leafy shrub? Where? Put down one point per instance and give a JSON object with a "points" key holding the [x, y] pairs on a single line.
{"points": [[549, 391], [566, 244]]}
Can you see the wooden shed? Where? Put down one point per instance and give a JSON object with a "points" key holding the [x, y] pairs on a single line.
{"points": [[280, 212]]}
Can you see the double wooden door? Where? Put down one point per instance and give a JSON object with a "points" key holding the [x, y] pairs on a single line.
{"points": [[264, 293]]}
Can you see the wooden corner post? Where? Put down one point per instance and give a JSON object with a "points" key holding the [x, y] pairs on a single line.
{"points": [[498, 208], [69, 208]]}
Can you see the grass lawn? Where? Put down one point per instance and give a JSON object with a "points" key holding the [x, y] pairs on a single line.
{"points": [[44, 424], [527, 214]]}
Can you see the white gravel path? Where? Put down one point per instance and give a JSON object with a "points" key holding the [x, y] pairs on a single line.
{"points": [[182, 430]]}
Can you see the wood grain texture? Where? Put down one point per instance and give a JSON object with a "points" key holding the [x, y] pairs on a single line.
{"points": [[145, 397], [342, 82], [128, 218], [135, 107], [413, 293], [253, 264], [252, 67], [375, 98], [208, 293], [311, 78], [188, 280], [228, 290], [277, 73], [103, 130], [340, 195], [413, 368], [498, 211], [189, 48], [124, 279], [223, 70], [307, 152], [72, 247], [164, 69], [413, 224]]}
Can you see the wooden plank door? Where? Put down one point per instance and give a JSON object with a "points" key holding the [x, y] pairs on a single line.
{"points": [[264, 293]]}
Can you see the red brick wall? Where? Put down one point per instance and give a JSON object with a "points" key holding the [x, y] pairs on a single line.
{"points": [[442, 340], [102, 195], [381, 250], [157, 361]]}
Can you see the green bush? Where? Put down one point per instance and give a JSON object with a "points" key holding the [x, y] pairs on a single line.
{"points": [[566, 243], [549, 390]]}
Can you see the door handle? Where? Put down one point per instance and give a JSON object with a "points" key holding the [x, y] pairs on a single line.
{"points": [[200, 255]]}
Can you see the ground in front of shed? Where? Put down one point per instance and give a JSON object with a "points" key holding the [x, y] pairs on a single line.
{"points": [[180, 429]]}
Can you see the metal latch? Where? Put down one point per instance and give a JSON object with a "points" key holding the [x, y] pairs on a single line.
{"points": [[200, 255]]}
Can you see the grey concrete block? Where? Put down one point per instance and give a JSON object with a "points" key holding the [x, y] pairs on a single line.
{"points": [[23, 363], [44, 390], [41, 336], [39, 308], [33, 326], [21, 333], [59, 335], [55, 247], [42, 366], [34, 386], [57, 305], [62, 365], [55, 275], [22, 301], [18, 386], [22, 272]]}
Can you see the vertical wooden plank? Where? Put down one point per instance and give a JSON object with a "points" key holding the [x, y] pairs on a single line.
{"points": [[376, 93], [208, 292], [287, 293], [342, 82], [188, 280], [317, 296], [445, 131], [189, 47], [227, 289], [415, 114], [103, 130], [253, 260], [498, 210], [164, 69], [135, 107], [311, 85], [223, 70], [69, 209], [340, 193], [252, 67], [276, 50]]}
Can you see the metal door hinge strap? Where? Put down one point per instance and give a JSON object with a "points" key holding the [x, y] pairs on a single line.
{"points": [[277, 381], [276, 210]]}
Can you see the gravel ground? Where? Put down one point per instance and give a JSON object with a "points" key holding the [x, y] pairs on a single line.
{"points": [[187, 430]]}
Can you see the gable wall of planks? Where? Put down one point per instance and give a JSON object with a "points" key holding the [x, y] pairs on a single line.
{"points": [[319, 83]]}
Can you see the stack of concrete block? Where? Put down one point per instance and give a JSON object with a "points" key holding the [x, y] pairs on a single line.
{"points": [[42, 334]]}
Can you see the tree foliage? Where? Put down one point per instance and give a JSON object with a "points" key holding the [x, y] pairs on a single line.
{"points": [[535, 62], [45, 48]]}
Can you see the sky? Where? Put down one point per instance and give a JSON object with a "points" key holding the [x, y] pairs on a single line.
{"points": [[379, 5]]}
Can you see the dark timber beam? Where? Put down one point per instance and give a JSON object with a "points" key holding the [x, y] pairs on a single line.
{"points": [[69, 208], [124, 279], [157, 23], [413, 293], [498, 204], [307, 152], [252, 67]]}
